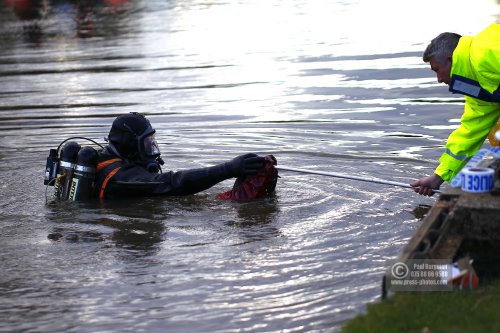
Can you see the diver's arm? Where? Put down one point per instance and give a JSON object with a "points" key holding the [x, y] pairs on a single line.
{"points": [[136, 181], [196, 180], [192, 181]]}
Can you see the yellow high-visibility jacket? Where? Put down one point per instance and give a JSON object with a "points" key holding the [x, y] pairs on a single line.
{"points": [[475, 72]]}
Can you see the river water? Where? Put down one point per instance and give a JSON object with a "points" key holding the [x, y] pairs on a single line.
{"points": [[328, 85]]}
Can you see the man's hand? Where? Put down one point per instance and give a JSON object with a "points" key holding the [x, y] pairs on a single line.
{"points": [[425, 185], [248, 164]]}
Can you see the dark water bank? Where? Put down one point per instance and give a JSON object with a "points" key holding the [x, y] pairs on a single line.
{"points": [[457, 311]]}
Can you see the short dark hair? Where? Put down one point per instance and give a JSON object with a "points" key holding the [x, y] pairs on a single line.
{"points": [[441, 47]]}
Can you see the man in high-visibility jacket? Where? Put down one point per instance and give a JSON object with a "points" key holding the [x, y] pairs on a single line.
{"points": [[469, 66]]}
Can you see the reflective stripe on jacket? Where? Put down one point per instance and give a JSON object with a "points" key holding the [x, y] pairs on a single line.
{"points": [[475, 72]]}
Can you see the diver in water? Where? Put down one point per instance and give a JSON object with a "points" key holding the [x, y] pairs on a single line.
{"points": [[130, 165]]}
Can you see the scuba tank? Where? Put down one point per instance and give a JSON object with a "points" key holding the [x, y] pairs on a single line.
{"points": [[60, 169], [69, 153], [51, 168], [83, 178]]}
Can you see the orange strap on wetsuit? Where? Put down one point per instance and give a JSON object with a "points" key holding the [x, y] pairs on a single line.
{"points": [[104, 164], [110, 175]]}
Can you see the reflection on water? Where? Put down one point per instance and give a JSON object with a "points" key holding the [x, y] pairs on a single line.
{"points": [[326, 85], [83, 18]]}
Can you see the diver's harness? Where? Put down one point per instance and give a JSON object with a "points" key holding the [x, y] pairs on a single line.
{"points": [[71, 169], [112, 170]]}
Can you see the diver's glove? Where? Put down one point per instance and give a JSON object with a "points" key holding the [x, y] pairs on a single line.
{"points": [[248, 164]]}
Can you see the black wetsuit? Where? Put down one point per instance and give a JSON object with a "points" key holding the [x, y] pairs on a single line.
{"points": [[118, 178]]}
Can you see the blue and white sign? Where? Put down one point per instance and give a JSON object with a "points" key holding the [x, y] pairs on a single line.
{"points": [[477, 180]]}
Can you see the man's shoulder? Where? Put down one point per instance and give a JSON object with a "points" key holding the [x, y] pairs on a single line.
{"points": [[106, 154], [492, 29], [488, 41]]}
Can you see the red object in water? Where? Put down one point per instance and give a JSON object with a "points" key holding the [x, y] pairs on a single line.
{"points": [[116, 2], [252, 187], [26, 9]]}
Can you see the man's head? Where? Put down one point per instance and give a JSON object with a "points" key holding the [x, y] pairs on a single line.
{"points": [[439, 54], [133, 137]]}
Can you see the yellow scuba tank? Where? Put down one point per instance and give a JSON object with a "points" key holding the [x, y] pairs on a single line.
{"points": [[69, 153]]}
